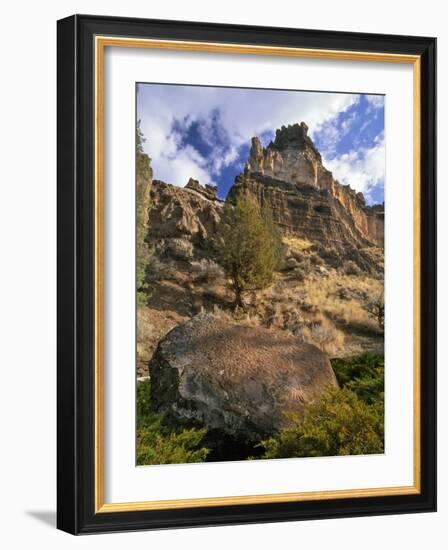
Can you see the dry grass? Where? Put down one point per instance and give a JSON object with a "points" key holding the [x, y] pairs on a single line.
{"points": [[296, 244], [279, 307], [322, 310], [343, 298], [324, 335], [324, 307]]}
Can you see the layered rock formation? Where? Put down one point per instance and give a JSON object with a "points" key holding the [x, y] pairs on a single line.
{"points": [[305, 199], [233, 378], [293, 164]]}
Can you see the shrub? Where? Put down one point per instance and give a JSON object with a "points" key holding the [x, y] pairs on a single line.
{"points": [[344, 421], [156, 443], [316, 260], [325, 336], [363, 375], [322, 333], [161, 269], [375, 308], [156, 447], [338, 424], [156, 269], [351, 268], [206, 270]]}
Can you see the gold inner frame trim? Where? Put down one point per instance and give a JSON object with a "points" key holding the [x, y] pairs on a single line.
{"points": [[101, 42]]}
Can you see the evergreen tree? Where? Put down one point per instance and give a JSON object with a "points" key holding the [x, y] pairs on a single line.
{"points": [[249, 246], [144, 179]]}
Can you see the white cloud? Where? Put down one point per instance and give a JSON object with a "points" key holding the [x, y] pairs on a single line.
{"points": [[333, 130], [178, 168], [376, 101], [243, 114], [223, 159], [362, 169]]}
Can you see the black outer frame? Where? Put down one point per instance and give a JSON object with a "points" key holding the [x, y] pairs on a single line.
{"points": [[75, 310]]}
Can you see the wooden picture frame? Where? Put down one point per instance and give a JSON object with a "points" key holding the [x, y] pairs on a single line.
{"points": [[82, 40]]}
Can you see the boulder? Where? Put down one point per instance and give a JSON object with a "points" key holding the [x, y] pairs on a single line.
{"points": [[233, 378]]}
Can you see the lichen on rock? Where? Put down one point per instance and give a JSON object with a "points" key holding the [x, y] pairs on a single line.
{"points": [[235, 378]]}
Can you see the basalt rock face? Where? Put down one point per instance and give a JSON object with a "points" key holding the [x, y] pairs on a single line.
{"points": [[304, 197], [192, 212], [288, 176], [235, 379]]}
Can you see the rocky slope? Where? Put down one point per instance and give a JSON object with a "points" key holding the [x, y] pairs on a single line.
{"points": [[179, 221], [333, 262]]}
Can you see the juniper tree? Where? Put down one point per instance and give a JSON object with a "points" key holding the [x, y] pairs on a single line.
{"points": [[144, 179], [249, 246]]}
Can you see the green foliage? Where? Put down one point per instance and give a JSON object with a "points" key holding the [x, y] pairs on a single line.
{"points": [[143, 400], [248, 246], [143, 251], [346, 421], [156, 443], [155, 447], [364, 375], [143, 160], [338, 424]]}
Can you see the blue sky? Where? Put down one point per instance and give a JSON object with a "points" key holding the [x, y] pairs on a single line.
{"points": [[205, 132]]}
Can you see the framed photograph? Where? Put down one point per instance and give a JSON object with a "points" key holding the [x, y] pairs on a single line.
{"points": [[246, 274]]}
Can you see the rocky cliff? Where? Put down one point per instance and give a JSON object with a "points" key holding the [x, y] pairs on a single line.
{"points": [[192, 211], [292, 164], [305, 199]]}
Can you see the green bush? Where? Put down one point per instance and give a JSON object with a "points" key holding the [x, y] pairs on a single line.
{"points": [[156, 443], [364, 375], [338, 424], [345, 421]]}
